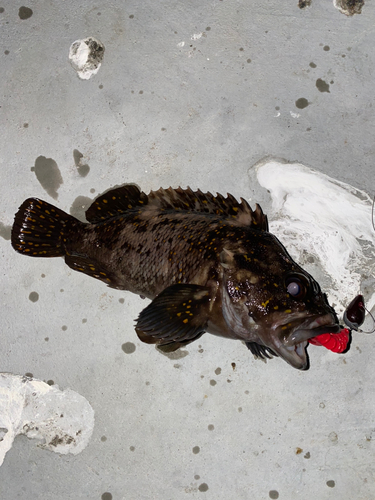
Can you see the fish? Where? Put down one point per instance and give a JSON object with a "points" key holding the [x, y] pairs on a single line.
{"points": [[208, 263]]}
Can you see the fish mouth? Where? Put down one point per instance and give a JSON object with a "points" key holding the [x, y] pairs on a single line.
{"points": [[292, 348]]}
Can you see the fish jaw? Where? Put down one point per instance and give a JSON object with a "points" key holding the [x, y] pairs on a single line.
{"points": [[292, 346]]}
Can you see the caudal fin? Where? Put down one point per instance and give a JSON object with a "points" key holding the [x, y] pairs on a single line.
{"points": [[38, 229]]}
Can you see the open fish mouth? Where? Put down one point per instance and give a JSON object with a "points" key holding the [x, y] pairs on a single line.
{"points": [[293, 348]]}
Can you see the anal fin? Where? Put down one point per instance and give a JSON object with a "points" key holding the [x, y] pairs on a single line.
{"points": [[176, 317], [90, 267]]}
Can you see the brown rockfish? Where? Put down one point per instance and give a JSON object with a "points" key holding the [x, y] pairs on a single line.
{"points": [[207, 262]]}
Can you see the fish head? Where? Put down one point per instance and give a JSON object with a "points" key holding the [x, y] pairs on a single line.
{"points": [[269, 299]]}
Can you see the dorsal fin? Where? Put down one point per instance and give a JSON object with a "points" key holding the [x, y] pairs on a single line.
{"points": [[196, 201], [122, 199], [115, 202]]}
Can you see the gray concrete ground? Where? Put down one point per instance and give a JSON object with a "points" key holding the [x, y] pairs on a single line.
{"points": [[189, 93]]}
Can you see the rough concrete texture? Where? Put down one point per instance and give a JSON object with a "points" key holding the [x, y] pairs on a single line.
{"points": [[188, 93]]}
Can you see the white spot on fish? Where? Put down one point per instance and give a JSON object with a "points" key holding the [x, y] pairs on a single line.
{"points": [[63, 421], [86, 56], [316, 215]]}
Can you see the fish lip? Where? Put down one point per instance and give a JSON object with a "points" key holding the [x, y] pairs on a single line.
{"points": [[309, 329]]}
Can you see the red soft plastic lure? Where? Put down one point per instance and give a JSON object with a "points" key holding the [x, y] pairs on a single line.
{"points": [[354, 316], [335, 342]]}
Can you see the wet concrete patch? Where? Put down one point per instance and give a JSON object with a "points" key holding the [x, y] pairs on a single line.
{"points": [[82, 168], [5, 231], [48, 174], [321, 85], [302, 103], [34, 296], [128, 347], [179, 354], [79, 207], [25, 13]]}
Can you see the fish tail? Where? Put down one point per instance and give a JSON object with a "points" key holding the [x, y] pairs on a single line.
{"points": [[39, 228]]}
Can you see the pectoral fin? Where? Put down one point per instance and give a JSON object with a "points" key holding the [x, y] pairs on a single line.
{"points": [[178, 315]]}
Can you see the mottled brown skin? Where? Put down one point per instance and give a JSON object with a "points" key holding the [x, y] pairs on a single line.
{"points": [[209, 262]]}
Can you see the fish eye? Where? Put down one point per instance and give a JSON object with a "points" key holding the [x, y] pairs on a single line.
{"points": [[296, 287]]}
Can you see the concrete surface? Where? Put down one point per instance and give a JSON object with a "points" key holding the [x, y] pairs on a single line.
{"points": [[189, 93]]}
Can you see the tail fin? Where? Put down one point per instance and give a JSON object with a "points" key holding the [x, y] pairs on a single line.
{"points": [[38, 229]]}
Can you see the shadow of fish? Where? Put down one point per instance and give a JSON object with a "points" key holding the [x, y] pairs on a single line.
{"points": [[207, 262]]}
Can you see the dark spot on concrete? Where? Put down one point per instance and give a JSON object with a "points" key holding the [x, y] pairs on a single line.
{"points": [[121, 301], [132, 448], [131, 16], [79, 207], [28, 374], [326, 48], [61, 290], [1, 10], [50, 382], [42, 275], [218, 371], [6, 52], [299, 451], [163, 129], [177, 366], [241, 49], [208, 28], [196, 450], [302, 103], [92, 190], [107, 496], [213, 382], [307, 455], [147, 382], [312, 65], [48, 174], [83, 168], [273, 494], [25, 13], [233, 366], [239, 409], [203, 487], [350, 7], [5, 231], [34, 296], [330, 483], [196, 477], [302, 4], [46, 339], [179, 354], [229, 381], [103, 439], [141, 92], [322, 86], [100, 86], [248, 61], [322, 405], [84, 320], [211, 427], [310, 259], [128, 347], [247, 392], [201, 350], [64, 328]]}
